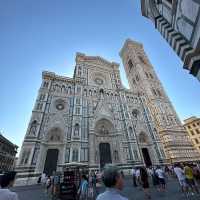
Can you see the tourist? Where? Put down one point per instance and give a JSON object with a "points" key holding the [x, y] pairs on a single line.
{"points": [[155, 179], [92, 185], [122, 173], [137, 174], [7, 181], [196, 173], [83, 189], [39, 180], [167, 171], [43, 178], [55, 183], [134, 177], [190, 179], [114, 183], [145, 183], [161, 177], [181, 177], [48, 185]]}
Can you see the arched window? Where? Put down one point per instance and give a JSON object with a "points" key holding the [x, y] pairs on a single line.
{"points": [[79, 71], [101, 91], [25, 157], [130, 131], [90, 92], [57, 88], [76, 130], [75, 155], [46, 84], [85, 92], [69, 90], [154, 91], [151, 75], [135, 113], [159, 93], [63, 88], [137, 77], [130, 64], [33, 128], [142, 59]]}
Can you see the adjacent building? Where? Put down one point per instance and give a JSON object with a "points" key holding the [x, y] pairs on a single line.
{"points": [[192, 125], [92, 119], [8, 152], [178, 21]]}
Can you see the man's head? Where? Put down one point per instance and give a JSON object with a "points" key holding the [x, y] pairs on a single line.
{"points": [[112, 178], [8, 179]]}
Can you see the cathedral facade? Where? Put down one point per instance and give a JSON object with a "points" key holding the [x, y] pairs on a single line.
{"points": [[92, 119]]}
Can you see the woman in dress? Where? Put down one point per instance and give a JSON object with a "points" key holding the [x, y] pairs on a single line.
{"points": [[145, 183]]}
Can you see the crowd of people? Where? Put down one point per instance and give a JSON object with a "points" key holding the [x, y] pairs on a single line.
{"points": [[187, 174], [143, 178]]}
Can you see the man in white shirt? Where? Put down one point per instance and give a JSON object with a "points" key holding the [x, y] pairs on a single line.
{"points": [[134, 177], [137, 174], [181, 177], [7, 181], [114, 183], [161, 176]]}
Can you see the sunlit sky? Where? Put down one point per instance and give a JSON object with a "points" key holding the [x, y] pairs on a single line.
{"points": [[45, 35]]}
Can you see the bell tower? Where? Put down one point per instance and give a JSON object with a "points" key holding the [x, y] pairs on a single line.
{"points": [[143, 80]]}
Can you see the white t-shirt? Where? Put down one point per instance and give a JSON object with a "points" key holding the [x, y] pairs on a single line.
{"points": [[133, 172], [137, 173], [6, 194], [149, 171], [179, 173], [160, 173]]}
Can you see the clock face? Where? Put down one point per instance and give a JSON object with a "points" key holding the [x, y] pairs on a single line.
{"points": [[98, 81], [60, 106]]}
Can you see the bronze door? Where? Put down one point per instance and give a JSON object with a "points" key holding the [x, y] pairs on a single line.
{"points": [[105, 154], [51, 161], [146, 157]]}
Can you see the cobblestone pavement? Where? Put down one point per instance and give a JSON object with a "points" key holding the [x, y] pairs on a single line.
{"points": [[173, 192]]}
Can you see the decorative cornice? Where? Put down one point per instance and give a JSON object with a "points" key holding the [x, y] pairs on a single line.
{"points": [[52, 76], [80, 57], [129, 43]]}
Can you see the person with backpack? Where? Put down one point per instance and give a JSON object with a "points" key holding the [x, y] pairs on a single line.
{"points": [[55, 183], [161, 177], [155, 179], [83, 189]]}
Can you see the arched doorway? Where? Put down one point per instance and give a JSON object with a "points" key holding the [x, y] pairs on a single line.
{"points": [[105, 154], [146, 157], [51, 161]]}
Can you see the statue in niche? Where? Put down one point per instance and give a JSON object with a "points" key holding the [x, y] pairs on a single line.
{"points": [[55, 138], [116, 155], [33, 128], [103, 130], [76, 130], [35, 157], [96, 156]]}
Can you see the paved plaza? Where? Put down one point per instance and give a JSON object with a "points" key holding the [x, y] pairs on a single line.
{"points": [[37, 192]]}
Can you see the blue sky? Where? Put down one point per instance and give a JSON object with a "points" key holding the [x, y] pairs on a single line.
{"points": [[46, 34]]}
